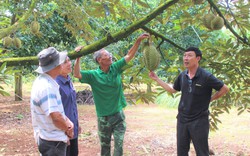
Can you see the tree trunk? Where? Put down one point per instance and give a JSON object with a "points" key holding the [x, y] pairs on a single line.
{"points": [[18, 87]]}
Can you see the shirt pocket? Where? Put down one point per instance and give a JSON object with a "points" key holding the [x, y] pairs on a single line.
{"points": [[199, 88]]}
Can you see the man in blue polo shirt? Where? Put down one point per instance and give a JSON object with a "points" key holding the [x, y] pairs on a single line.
{"points": [[106, 84], [196, 86], [68, 94]]}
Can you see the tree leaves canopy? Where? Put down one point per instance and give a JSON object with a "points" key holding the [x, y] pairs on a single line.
{"points": [[100, 23]]}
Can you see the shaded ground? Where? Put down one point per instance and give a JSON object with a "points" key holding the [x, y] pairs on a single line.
{"points": [[150, 131]]}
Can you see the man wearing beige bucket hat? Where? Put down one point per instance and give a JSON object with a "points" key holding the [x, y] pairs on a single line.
{"points": [[52, 129]]}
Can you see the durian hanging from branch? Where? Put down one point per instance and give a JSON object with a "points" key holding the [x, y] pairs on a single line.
{"points": [[207, 20], [7, 41], [35, 26], [217, 23], [151, 56], [17, 42], [213, 22]]}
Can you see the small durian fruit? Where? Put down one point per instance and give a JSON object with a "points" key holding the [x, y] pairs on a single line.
{"points": [[7, 41], [151, 56], [198, 2], [217, 23], [17, 42], [35, 27], [207, 20]]}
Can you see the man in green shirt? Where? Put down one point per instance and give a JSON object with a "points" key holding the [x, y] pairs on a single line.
{"points": [[106, 84]]}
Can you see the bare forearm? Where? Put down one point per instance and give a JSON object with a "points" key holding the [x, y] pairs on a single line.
{"points": [[166, 86], [64, 124], [59, 121], [220, 93], [70, 131], [77, 69], [134, 48], [132, 51]]}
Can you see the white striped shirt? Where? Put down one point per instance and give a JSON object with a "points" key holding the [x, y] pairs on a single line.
{"points": [[45, 99]]}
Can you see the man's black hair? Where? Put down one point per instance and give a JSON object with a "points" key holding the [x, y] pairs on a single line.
{"points": [[196, 50]]}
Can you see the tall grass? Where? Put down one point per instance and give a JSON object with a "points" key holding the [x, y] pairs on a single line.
{"points": [[167, 100]]}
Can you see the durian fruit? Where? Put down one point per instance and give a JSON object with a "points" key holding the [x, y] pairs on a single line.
{"points": [[198, 1], [7, 41], [217, 23], [35, 27], [17, 42], [151, 56], [207, 20]]}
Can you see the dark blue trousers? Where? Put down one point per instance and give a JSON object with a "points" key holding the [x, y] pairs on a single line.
{"points": [[197, 131], [52, 148], [72, 149]]}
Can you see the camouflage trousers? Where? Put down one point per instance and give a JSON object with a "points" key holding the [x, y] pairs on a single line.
{"points": [[112, 125]]}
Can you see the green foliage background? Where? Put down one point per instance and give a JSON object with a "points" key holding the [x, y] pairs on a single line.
{"points": [[83, 22]]}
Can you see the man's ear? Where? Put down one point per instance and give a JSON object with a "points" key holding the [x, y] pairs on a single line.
{"points": [[198, 58], [98, 60]]}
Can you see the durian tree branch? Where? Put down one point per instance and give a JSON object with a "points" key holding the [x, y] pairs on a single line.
{"points": [[110, 38], [151, 31], [17, 25], [232, 14], [244, 40]]}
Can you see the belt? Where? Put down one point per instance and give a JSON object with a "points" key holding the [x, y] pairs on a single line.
{"points": [[107, 117], [55, 143]]}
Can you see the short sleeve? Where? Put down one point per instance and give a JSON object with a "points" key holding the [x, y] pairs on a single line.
{"points": [[214, 83], [177, 83], [119, 64], [86, 76]]}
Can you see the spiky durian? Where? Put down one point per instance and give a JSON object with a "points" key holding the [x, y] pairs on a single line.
{"points": [[217, 23], [17, 42], [35, 27], [207, 20], [7, 41], [151, 56]]}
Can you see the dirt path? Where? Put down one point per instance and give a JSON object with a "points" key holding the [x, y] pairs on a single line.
{"points": [[150, 131]]}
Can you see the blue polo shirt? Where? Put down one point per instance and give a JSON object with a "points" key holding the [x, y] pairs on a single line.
{"points": [[68, 96], [195, 94]]}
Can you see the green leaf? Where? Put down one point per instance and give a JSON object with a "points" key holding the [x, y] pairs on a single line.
{"points": [[3, 67], [240, 112], [4, 93]]}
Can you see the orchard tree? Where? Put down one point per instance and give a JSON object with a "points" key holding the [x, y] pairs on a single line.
{"points": [[175, 25]]}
